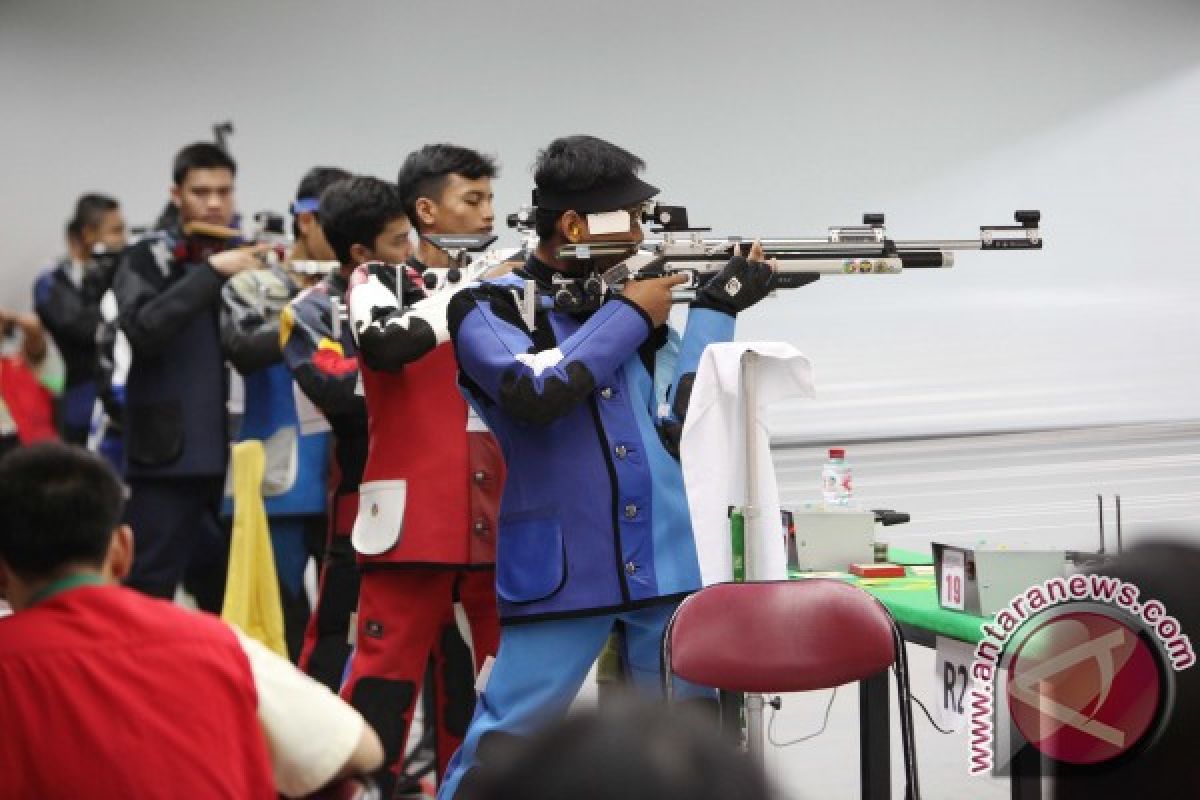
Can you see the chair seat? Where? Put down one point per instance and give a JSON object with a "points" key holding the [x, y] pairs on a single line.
{"points": [[780, 636]]}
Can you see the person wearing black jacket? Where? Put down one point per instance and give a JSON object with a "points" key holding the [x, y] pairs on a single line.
{"points": [[66, 297], [167, 289]]}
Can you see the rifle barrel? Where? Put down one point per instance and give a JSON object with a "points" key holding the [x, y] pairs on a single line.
{"points": [[801, 247]]}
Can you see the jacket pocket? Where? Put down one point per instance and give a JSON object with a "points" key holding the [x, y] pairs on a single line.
{"points": [[282, 462], [380, 520], [154, 432], [531, 562]]}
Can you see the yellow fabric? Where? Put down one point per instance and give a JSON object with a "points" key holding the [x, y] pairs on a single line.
{"points": [[252, 590], [329, 344], [608, 665], [287, 321]]}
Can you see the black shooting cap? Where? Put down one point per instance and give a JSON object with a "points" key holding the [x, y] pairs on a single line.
{"points": [[626, 191]]}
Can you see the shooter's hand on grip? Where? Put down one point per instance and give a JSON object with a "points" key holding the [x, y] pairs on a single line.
{"points": [[231, 262], [653, 296], [741, 284]]}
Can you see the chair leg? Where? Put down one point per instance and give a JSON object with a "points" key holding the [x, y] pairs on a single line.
{"points": [[731, 704], [907, 735], [874, 737]]}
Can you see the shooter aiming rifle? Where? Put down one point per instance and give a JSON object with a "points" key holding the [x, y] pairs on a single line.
{"points": [[469, 259], [268, 229], [466, 263], [851, 250]]}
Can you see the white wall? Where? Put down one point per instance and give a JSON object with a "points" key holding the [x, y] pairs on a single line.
{"points": [[780, 118]]}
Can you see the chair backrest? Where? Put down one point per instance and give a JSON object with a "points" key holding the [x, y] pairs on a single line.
{"points": [[779, 636]]}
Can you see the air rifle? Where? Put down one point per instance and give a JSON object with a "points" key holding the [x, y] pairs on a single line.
{"points": [[268, 229], [850, 250], [458, 249]]}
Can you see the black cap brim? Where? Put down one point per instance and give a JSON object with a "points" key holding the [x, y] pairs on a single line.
{"points": [[611, 196]]}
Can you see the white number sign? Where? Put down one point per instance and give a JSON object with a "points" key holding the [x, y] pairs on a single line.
{"points": [[953, 579], [952, 682]]}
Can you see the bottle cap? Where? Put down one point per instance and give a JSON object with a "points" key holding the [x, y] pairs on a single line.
{"points": [[837, 452]]}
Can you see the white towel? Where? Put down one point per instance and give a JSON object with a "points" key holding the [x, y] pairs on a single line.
{"points": [[713, 454]]}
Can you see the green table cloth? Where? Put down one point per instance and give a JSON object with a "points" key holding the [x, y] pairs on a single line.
{"points": [[913, 599]]}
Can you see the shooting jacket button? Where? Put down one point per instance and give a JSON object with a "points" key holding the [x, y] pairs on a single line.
{"points": [[606, 393], [480, 476], [621, 451], [480, 527], [631, 511], [630, 568]]}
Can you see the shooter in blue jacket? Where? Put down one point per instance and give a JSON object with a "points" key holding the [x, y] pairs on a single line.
{"points": [[586, 399]]}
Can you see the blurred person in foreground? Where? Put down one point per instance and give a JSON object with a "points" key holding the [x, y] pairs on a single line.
{"points": [[623, 752], [1164, 569], [107, 693]]}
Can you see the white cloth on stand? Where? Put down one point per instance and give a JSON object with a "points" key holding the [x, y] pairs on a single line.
{"points": [[713, 453]]}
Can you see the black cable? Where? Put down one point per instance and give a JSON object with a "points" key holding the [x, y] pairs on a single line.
{"points": [[824, 724], [929, 717]]}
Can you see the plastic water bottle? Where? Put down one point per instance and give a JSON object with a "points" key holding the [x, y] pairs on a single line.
{"points": [[837, 482]]}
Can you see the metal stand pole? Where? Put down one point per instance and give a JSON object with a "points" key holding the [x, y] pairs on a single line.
{"points": [[754, 728], [751, 514]]}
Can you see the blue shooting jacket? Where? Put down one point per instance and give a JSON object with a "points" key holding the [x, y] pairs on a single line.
{"points": [[270, 406], [594, 517]]}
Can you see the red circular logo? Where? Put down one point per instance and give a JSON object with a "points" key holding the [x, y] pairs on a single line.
{"points": [[1083, 687]]}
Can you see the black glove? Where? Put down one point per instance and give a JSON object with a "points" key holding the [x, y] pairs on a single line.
{"points": [[741, 284]]}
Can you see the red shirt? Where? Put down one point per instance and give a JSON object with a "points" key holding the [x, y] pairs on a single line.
{"points": [[106, 693], [29, 403]]}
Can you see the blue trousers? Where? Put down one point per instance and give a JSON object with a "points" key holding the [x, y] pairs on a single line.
{"points": [[294, 540], [112, 447], [540, 668], [289, 545]]}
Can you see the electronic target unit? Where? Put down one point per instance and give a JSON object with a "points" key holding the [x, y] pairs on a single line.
{"points": [[982, 581]]}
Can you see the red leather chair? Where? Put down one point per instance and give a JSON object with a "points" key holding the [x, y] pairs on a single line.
{"points": [[789, 636]]}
